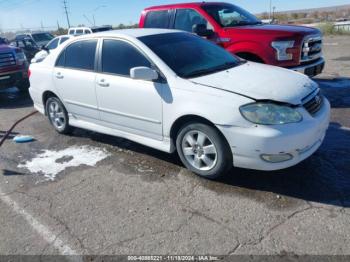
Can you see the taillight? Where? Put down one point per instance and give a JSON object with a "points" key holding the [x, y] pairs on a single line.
{"points": [[29, 73]]}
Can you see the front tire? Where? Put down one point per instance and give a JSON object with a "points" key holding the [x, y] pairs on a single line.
{"points": [[58, 115], [203, 150]]}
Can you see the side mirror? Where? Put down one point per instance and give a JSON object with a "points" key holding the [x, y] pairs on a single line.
{"points": [[143, 73], [201, 30]]}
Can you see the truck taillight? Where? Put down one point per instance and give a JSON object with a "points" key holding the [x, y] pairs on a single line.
{"points": [[29, 73]]}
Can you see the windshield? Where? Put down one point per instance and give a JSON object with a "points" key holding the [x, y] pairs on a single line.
{"points": [[42, 37], [189, 55], [229, 15]]}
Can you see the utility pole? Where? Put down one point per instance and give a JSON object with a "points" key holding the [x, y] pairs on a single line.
{"points": [[270, 13], [66, 11]]}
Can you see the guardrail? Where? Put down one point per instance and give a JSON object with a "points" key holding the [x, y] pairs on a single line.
{"points": [[342, 26]]}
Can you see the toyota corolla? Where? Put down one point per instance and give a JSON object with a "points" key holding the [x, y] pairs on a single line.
{"points": [[174, 91]]}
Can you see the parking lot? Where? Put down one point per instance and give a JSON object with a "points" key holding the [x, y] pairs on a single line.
{"points": [[55, 198]]}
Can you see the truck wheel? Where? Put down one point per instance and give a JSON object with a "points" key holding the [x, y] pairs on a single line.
{"points": [[203, 150], [58, 115], [24, 85]]}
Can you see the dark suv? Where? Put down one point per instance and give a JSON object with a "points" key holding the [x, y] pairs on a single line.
{"points": [[29, 47], [13, 67], [40, 38]]}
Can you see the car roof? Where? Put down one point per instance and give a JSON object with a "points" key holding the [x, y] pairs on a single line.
{"points": [[183, 5], [134, 33]]}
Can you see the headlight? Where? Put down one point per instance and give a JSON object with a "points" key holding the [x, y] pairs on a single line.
{"points": [[270, 114], [281, 49]]}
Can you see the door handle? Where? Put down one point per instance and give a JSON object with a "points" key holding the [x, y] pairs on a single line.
{"points": [[59, 75], [103, 83]]}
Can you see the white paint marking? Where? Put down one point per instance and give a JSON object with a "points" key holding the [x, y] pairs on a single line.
{"points": [[50, 163], [49, 237]]}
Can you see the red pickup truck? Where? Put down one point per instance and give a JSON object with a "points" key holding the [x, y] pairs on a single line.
{"points": [[13, 67], [297, 48]]}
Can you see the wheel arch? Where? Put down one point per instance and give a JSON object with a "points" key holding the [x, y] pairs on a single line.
{"points": [[250, 57], [192, 118], [46, 95]]}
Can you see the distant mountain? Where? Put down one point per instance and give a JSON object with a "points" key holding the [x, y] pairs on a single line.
{"points": [[321, 9]]}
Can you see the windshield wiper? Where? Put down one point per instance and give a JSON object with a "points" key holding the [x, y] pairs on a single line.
{"points": [[212, 70]]}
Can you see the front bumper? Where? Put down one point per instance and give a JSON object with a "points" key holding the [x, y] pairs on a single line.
{"points": [[10, 79], [300, 140], [312, 69]]}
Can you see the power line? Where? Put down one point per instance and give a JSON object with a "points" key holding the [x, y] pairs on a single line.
{"points": [[66, 11]]}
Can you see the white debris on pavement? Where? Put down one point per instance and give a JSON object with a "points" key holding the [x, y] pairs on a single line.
{"points": [[50, 163]]}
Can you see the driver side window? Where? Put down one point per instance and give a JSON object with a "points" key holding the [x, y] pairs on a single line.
{"points": [[231, 17], [186, 18]]}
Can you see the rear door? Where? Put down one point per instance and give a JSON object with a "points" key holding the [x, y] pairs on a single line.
{"points": [[158, 19], [74, 77]]}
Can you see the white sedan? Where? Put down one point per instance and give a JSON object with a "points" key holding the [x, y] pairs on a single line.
{"points": [[53, 44], [172, 90]]}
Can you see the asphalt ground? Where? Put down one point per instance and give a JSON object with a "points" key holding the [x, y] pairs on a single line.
{"points": [[54, 198]]}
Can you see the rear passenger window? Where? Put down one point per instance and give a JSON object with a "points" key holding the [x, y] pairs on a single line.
{"points": [[118, 57], [157, 19], [81, 55]]}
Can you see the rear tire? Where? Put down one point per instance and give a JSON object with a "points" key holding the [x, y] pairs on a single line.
{"points": [[58, 116], [203, 150]]}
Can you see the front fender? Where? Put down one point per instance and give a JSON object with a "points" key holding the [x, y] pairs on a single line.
{"points": [[217, 106], [254, 48]]}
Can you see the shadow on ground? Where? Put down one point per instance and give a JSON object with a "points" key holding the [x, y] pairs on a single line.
{"points": [[337, 90], [11, 98], [323, 178]]}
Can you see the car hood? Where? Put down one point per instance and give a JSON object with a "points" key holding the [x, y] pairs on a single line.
{"points": [[261, 82], [275, 30], [6, 48]]}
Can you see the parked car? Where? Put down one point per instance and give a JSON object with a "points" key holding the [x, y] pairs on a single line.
{"points": [[39, 38], [76, 31], [13, 67], [3, 41], [294, 47], [52, 45], [172, 90], [29, 47]]}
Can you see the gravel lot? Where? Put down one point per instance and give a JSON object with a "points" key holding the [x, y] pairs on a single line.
{"points": [[136, 200]]}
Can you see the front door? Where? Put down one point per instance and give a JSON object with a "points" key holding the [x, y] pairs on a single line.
{"points": [[133, 106]]}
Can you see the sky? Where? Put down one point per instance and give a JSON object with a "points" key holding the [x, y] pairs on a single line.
{"points": [[17, 14]]}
